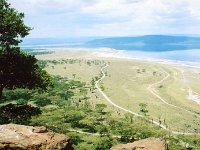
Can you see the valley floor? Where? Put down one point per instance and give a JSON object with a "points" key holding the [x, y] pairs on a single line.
{"points": [[169, 90]]}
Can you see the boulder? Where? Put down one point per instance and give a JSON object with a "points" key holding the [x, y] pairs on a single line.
{"points": [[146, 144], [22, 137]]}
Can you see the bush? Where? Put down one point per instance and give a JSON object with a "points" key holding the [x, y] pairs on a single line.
{"points": [[104, 143], [22, 101], [43, 102], [20, 114]]}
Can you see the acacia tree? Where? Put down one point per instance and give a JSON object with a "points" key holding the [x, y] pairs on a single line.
{"points": [[143, 109], [17, 68]]}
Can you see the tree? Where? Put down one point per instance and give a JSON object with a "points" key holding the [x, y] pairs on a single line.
{"points": [[143, 109], [74, 75], [18, 69], [104, 143], [100, 108], [89, 123], [20, 114], [12, 26], [129, 117], [127, 133]]}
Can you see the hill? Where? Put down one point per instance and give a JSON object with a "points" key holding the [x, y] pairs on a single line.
{"points": [[148, 43]]}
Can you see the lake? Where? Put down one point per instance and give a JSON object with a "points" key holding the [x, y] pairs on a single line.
{"points": [[159, 43]]}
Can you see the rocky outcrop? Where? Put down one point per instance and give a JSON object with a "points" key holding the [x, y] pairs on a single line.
{"points": [[146, 144], [22, 137]]}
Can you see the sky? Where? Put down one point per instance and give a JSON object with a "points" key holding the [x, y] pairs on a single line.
{"points": [[80, 18]]}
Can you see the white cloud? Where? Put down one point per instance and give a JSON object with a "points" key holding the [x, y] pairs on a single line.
{"points": [[111, 17]]}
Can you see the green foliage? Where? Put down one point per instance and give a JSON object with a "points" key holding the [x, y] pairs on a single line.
{"points": [[20, 70], [17, 68], [143, 109], [17, 94], [59, 115], [74, 117], [102, 87], [75, 138], [89, 123], [105, 143], [43, 102], [103, 130], [42, 63], [22, 101], [84, 146], [127, 135], [100, 107], [20, 114], [12, 26], [67, 94], [129, 117]]}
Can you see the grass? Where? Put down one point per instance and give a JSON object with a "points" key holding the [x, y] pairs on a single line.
{"points": [[127, 87], [127, 82]]}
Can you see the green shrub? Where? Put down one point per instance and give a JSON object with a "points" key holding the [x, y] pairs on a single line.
{"points": [[22, 101]]}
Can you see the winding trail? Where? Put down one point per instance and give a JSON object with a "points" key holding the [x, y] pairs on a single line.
{"points": [[89, 133], [153, 91], [136, 114]]}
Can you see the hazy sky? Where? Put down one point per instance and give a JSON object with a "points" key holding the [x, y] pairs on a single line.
{"points": [[72, 18]]}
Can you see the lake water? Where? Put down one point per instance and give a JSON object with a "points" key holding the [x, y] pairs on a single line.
{"points": [[192, 55], [180, 55]]}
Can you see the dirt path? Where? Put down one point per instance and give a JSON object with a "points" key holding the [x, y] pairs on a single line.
{"points": [[117, 106], [134, 113], [89, 133], [154, 92]]}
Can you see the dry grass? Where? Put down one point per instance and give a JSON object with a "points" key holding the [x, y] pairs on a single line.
{"points": [[127, 83]]}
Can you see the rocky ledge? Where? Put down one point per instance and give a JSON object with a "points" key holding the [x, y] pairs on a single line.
{"points": [[22, 137], [146, 144]]}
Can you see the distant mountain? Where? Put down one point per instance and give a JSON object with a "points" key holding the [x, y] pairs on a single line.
{"points": [[148, 43]]}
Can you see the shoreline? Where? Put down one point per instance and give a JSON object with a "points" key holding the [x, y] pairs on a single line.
{"points": [[114, 54]]}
